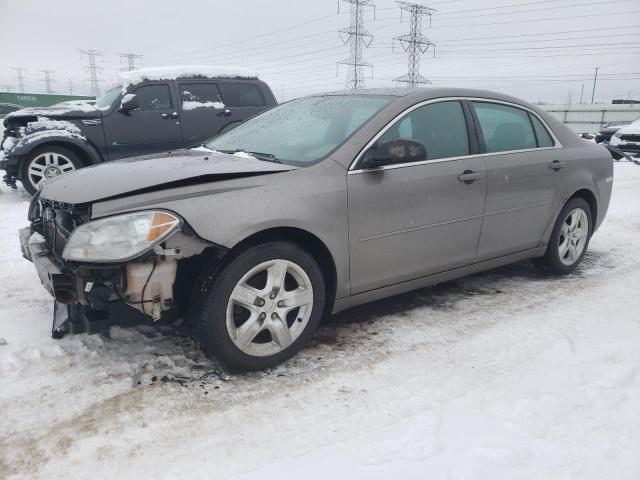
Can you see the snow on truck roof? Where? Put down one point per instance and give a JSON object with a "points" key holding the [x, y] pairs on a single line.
{"points": [[172, 73]]}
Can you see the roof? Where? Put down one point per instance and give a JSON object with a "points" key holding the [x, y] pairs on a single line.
{"points": [[185, 71]]}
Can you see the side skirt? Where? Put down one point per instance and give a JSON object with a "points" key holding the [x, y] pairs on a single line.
{"points": [[398, 288]]}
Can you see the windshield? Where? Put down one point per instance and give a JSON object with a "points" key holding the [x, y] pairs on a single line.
{"points": [[301, 131], [108, 98]]}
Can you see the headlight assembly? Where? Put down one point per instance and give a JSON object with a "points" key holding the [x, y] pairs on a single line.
{"points": [[121, 237]]}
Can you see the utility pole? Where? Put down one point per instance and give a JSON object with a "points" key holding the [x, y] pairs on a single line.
{"points": [[48, 80], [414, 42], [70, 87], [93, 70], [581, 93], [19, 71], [595, 79], [357, 37], [131, 60]]}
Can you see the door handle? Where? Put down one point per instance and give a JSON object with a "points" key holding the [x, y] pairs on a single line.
{"points": [[469, 176], [226, 112], [173, 115], [557, 165], [165, 116]]}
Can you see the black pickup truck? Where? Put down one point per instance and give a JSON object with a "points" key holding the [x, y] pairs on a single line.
{"points": [[151, 110]]}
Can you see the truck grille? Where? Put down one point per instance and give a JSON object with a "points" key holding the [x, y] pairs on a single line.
{"points": [[630, 138]]}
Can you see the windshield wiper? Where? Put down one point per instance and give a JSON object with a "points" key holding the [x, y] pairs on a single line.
{"points": [[267, 157]]}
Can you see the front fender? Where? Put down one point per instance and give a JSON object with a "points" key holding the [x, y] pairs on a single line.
{"points": [[26, 144]]}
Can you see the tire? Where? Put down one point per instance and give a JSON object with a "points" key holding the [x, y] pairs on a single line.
{"points": [[561, 257], [248, 332], [46, 162]]}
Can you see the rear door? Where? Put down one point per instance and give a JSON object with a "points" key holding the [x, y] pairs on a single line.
{"points": [[154, 127], [521, 179], [242, 100], [409, 220], [202, 110]]}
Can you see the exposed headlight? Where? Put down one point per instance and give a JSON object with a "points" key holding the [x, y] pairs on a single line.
{"points": [[120, 238]]}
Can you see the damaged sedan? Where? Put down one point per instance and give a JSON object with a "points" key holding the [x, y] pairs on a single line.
{"points": [[313, 207]]}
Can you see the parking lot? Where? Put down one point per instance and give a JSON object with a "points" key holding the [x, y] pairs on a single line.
{"points": [[506, 374]]}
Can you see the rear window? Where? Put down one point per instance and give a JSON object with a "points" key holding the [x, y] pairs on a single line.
{"points": [[505, 128], [542, 135], [201, 93], [243, 95]]}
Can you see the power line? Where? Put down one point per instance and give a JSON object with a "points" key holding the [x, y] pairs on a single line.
{"points": [[48, 80], [19, 73], [131, 59], [93, 70], [414, 42], [358, 37]]}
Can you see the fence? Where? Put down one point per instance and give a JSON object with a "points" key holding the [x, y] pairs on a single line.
{"points": [[591, 118]]}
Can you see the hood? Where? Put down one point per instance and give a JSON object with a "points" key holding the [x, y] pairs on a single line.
{"points": [[631, 129], [152, 173], [80, 110]]}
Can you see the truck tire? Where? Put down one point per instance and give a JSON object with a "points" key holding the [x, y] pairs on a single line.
{"points": [[45, 162]]}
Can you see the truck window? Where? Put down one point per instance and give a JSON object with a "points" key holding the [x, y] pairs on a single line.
{"points": [[243, 95], [154, 97], [199, 95]]}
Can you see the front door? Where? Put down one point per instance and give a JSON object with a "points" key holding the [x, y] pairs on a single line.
{"points": [[153, 127], [411, 220], [521, 180]]}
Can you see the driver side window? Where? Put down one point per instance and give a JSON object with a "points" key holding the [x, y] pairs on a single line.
{"points": [[154, 97], [440, 127]]}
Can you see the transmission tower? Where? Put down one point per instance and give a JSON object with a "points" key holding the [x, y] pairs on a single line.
{"points": [[70, 87], [19, 71], [414, 42], [47, 79], [93, 70], [131, 60], [358, 38], [7, 88]]}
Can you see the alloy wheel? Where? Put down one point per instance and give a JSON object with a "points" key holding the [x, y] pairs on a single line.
{"points": [[269, 307], [48, 165], [573, 236]]}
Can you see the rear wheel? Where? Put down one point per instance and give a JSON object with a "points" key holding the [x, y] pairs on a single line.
{"points": [[260, 307], [47, 162], [569, 239]]}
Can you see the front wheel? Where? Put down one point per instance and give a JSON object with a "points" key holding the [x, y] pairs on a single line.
{"points": [[46, 162], [260, 307], [569, 239]]}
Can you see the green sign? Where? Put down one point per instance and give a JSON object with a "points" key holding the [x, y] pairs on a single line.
{"points": [[37, 99]]}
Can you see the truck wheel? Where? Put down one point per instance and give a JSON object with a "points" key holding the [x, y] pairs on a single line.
{"points": [[260, 307], [569, 239], [46, 162]]}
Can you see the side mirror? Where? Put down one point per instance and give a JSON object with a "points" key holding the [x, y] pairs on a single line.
{"points": [[398, 150], [129, 102]]}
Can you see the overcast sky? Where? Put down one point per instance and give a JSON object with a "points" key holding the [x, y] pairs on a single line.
{"points": [[536, 49]]}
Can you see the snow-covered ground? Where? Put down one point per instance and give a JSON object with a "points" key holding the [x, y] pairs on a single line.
{"points": [[509, 374]]}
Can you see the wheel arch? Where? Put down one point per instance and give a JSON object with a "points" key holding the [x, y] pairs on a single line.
{"points": [[308, 242], [589, 197], [88, 154]]}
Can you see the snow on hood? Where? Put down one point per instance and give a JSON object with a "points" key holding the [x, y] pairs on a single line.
{"points": [[153, 172], [75, 110], [631, 129], [173, 73], [44, 123]]}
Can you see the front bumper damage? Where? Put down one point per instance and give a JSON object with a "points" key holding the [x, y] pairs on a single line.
{"points": [[90, 298]]}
